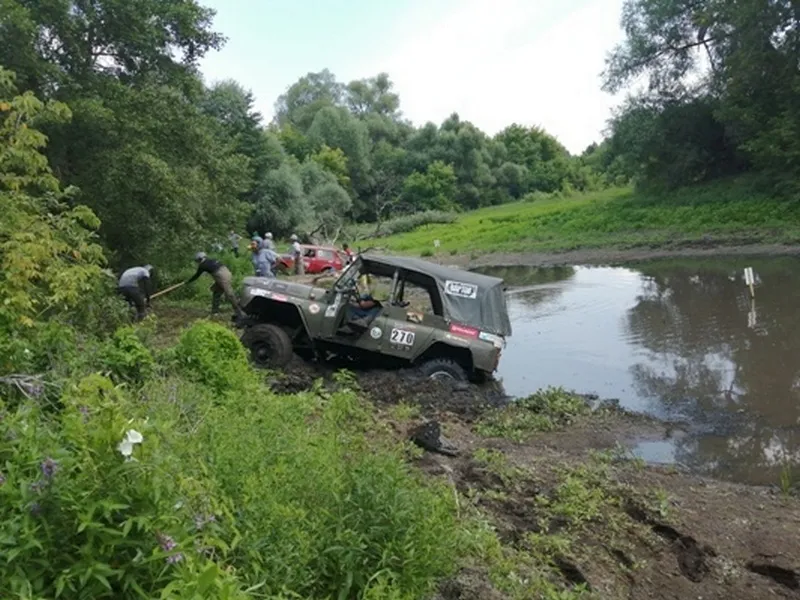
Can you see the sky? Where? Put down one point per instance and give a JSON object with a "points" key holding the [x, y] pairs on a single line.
{"points": [[494, 62]]}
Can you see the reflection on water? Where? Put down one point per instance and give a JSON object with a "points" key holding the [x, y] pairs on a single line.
{"points": [[679, 340]]}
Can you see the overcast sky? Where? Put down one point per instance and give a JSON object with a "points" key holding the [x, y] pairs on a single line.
{"points": [[494, 62]]}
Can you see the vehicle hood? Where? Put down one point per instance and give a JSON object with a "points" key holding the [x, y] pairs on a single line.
{"points": [[270, 287]]}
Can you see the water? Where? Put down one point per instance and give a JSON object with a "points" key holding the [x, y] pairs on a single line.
{"points": [[677, 340]]}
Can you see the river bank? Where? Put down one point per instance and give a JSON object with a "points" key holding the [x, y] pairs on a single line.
{"points": [[547, 491], [731, 214], [613, 256], [553, 477]]}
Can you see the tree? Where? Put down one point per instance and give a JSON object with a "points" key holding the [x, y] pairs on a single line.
{"points": [[373, 97], [334, 161], [232, 107], [743, 57], [282, 204], [547, 162], [58, 47], [306, 97], [433, 190], [156, 183], [335, 127], [49, 258]]}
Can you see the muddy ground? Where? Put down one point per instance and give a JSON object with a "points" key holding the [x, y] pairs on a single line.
{"points": [[612, 256], [656, 533]]}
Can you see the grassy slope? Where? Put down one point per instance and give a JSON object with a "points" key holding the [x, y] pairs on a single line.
{"points": [[729, 212]]}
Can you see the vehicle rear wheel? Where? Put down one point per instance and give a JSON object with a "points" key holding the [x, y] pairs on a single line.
{"points": [[444, 369], [269, 345]]}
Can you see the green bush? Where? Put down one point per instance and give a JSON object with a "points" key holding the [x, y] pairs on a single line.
{"points": [[79, 519], [212, 354], [126, 357], [414, 221], [320, 512], [546, 410]]}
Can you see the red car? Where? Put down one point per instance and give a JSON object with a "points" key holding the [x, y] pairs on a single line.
{"points": [[316, 259]]}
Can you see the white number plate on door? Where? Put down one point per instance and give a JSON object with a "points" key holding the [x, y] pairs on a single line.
{"points": [[402, 337]]}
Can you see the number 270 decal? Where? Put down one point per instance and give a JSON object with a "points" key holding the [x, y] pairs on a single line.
{"points": [[402, 337]]}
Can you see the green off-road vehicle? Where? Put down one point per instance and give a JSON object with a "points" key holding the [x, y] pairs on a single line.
{"points": [[382, 311]]}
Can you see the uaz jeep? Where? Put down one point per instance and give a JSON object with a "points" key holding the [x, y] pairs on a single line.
{"points": [[459, 333]]}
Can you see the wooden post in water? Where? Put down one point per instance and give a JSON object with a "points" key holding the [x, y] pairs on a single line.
{"points": [[750, 280]]}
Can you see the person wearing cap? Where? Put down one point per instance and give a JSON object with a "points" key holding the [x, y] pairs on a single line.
{"points": [[223, 282], [263, 260], [297, 254], [269, 244], [135, 285]]}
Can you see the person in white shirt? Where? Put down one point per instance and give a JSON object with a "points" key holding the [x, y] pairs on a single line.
{"points": [[135, 285], [297, 254]]}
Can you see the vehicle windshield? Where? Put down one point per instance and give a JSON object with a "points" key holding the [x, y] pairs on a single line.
{"points": [[348, 278]]}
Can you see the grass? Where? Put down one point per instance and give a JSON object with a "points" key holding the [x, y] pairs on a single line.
{"points": [[545, 410], [728, 212]]}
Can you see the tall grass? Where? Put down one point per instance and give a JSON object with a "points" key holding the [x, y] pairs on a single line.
{"points": [[731, 211]]}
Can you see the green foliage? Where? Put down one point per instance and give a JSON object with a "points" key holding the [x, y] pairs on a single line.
{"points": [[290, 496], [727, 211], [334, 161], [320, 515], [213, 355], [409, 222], [742, 107], [78, 520], [433, 190], [125, 356], [48, 256], [282, 204], [546, 410]]}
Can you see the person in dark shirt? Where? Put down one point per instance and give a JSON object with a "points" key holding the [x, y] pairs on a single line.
{"points": [[222, 282]]}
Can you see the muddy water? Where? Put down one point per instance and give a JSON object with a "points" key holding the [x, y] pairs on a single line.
{"points": [[677, 340]]}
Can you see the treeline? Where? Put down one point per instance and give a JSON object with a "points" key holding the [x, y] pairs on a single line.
{"points": [[722, 94], [169, 163]]}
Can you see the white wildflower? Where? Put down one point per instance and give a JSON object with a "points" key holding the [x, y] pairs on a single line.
{"points": [[125, 447]]}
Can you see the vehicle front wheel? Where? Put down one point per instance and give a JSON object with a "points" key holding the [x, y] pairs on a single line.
{"points": [[444, 369], [269, 345]]}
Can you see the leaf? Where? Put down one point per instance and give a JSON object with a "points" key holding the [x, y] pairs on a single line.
{"points": [[206, 579]]}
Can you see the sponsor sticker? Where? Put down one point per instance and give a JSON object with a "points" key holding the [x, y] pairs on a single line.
{"points": [[402, 337], [460, 289], [260, 292], [375, 333], [280, 298], [463, 331], [313, 309]]}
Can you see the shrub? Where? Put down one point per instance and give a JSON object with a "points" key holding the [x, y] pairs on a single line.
{"points": [[320, 513], [213, 354], [81, 521], [413, 221], [126, 357], [545, 410]]}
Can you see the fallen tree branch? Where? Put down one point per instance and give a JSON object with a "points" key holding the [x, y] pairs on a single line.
{"points": [[31, 386]]}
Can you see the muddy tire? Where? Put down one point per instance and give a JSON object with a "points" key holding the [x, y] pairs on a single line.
{"points": [[269, 345], [444, 369]]}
